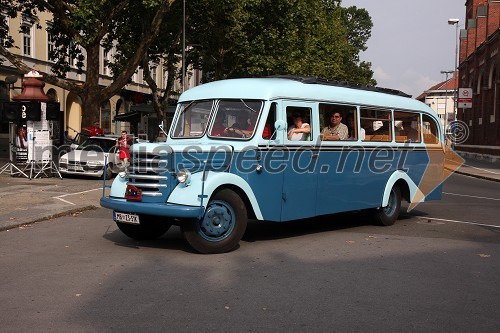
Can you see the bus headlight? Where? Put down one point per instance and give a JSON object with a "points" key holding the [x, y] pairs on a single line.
{"points": [[184, 176]]}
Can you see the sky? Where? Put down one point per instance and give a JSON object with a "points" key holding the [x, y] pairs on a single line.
{"points": [[411, 41]]}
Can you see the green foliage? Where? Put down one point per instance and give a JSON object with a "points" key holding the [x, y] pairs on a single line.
{"points": [[273, 37], [224, 38]]}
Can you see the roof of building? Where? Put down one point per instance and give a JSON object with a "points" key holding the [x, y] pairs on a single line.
{"points": [[446, 85]]}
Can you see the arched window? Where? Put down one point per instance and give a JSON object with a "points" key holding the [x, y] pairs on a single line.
{"points": [[106, 116], [479, 82], [52, 94], [492, 77]]}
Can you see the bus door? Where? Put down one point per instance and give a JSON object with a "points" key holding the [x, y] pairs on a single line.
{"points": [[299, 176]]}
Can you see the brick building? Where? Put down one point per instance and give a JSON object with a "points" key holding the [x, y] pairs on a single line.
{"points": [[479, 67]]}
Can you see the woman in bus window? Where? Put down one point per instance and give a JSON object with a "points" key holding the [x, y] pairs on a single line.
{"points": [[300, 130]]}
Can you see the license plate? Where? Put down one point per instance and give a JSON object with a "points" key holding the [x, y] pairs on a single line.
{"points": [[126, 218], [75, 168]]}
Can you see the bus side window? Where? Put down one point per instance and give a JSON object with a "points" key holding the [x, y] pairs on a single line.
{"points": [[407, 126], [378, 124], [269, 129], [330, 131], [430, 130], [299, 127]]}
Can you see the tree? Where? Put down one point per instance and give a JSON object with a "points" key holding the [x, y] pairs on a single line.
{"points": [[80, 28], [274, 37], [165, 50]]}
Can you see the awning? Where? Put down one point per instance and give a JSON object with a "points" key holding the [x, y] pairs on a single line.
{"points": [[137, 111], [129, 117]]}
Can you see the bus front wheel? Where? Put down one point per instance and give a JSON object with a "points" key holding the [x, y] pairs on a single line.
{"points": [[221, 227], [388, 215], [149, 228]]}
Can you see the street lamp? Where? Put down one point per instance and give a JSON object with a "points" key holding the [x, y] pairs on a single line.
{"points": [[446, 98], [454, 21], [183, 43]]}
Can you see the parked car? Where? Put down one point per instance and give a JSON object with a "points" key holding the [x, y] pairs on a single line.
{"points": [[89, 157]]}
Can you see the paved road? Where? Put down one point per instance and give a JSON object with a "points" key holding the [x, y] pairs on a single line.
{"points": [[338, 273]]}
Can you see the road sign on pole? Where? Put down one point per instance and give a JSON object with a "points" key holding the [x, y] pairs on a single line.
{"points": [[465, 98]]}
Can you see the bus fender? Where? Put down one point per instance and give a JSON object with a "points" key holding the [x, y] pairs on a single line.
{"points": [[190, 195], [398, 175], [118, 187]]}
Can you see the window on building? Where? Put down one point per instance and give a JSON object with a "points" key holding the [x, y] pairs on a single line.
{"points": [[4, 23], [51, 47], [106, 59], [27, 35], [154, 70]]}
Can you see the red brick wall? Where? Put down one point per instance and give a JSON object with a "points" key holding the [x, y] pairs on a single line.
{"points": [[493, 17]]}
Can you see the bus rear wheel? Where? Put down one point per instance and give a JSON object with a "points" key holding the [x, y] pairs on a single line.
{"points": [[149, 228], [221, 227], [386, 216]]}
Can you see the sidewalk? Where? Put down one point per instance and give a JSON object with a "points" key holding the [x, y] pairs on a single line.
{"points": [[480, 169], [24, 201]]}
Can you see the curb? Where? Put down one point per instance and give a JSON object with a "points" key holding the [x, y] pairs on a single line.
{"points": [[48, 217], [477, 176]]}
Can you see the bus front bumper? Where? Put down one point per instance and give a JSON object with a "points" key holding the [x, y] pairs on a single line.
{"points": [[155, 209]]}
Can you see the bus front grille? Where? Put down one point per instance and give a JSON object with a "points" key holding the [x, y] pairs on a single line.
{"points": [[150, 174]]}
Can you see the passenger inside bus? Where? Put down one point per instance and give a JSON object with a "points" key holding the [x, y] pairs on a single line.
{"points": [[407, 130], [218, 127], [352, 128], [243, 127], [336, 130], [299, 130]]}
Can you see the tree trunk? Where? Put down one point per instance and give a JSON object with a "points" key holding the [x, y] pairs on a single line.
{"points": [[92, 93]]}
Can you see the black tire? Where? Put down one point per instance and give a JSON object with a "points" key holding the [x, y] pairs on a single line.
{"points": [[108, 171], [222, 226], [150, 228], [386, 216]]}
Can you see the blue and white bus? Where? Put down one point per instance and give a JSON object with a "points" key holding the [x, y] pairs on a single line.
{"points": [[230, 157]]}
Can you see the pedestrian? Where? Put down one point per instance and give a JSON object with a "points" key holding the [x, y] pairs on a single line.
{"points": [[123, 144]]}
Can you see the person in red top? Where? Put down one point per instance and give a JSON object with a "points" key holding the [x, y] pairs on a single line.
{"points": [[218, 128], [95, 129], [123, 145]]}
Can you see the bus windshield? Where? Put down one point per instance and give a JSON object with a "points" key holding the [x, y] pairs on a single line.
{"points": [[228, 119]]}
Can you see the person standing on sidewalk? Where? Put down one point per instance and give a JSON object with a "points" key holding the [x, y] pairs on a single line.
{"points": [[123, 144]]}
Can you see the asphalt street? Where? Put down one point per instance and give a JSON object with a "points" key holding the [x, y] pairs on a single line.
{"points": [[435, 270]]}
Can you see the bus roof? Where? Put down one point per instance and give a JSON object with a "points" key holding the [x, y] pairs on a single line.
{"points": [[272, 88]]}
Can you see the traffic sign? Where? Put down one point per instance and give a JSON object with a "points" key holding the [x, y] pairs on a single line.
{"points": [[465, 98]]}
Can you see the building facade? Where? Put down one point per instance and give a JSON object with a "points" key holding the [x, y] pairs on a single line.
{"points": [[33, 48], [441, 98], [479, 66]]}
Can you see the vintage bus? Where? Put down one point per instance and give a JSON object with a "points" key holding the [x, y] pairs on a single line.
{"points": [[232, 154]]}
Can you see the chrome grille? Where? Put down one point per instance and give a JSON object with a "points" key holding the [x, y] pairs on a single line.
{"points": [[149, 173]]}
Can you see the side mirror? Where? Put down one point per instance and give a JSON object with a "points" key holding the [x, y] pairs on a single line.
{"points": [[280, 125]]}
